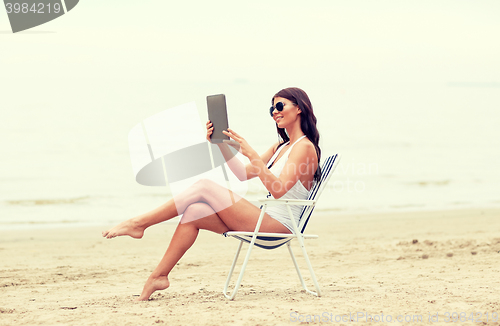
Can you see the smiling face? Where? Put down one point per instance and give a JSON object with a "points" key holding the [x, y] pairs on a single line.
{"points": [[289, 115]]}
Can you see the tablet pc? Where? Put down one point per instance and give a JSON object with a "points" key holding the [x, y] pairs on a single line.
{"points": [[217, 114]]}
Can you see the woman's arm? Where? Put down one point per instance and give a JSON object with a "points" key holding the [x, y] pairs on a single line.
{"points": [[253, 172], [241, 171], [248, 171], [301, 161]]}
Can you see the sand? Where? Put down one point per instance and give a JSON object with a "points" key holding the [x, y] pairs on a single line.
{"points": [[398, 264]]}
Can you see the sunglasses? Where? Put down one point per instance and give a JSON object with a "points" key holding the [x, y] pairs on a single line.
{"points": [[279, 106]]}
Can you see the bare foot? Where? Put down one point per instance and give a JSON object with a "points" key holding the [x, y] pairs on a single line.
{"points": [[153, 284], [128, 227]]}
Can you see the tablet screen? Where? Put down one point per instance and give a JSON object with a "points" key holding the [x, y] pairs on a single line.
{"points": [[217, 114]]}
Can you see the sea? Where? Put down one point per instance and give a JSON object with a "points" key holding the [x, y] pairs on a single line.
{"points": [[65, 158]]}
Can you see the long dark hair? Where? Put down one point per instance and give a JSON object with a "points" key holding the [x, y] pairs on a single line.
{"points": [[307, 120]]}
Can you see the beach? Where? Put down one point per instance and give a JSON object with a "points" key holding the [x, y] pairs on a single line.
{"points": [[406, 92], [415, 267]]}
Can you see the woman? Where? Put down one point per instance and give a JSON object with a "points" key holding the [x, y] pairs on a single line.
{"points": [[291, 170]]}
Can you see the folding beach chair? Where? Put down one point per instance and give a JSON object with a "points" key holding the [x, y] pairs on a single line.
{"points": [[275, 240]]}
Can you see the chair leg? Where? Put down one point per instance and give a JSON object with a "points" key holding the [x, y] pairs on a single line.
{"points": [[242, 271], [300, 238], [232, 270], [296, 266], [308, 262], [247, 257]]}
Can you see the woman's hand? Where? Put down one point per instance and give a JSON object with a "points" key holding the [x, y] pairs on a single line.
{"points": [[210, 130], [240, 144]]}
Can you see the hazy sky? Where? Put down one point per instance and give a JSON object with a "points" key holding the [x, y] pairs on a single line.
{"points": [[149, 55], [339, 41]]}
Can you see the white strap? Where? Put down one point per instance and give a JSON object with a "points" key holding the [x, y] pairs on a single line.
{"points": [[273, 158], [290, 149]]}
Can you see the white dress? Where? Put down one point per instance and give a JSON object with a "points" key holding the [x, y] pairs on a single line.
{"points": [[298, 191]]}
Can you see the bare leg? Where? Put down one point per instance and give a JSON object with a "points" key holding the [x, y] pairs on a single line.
{"points": [[241, 216], [206, 191], [182, 240], [135, 226]]}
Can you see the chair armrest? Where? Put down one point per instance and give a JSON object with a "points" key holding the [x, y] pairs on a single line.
{"points": [[273, 202], [271, 235]]}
